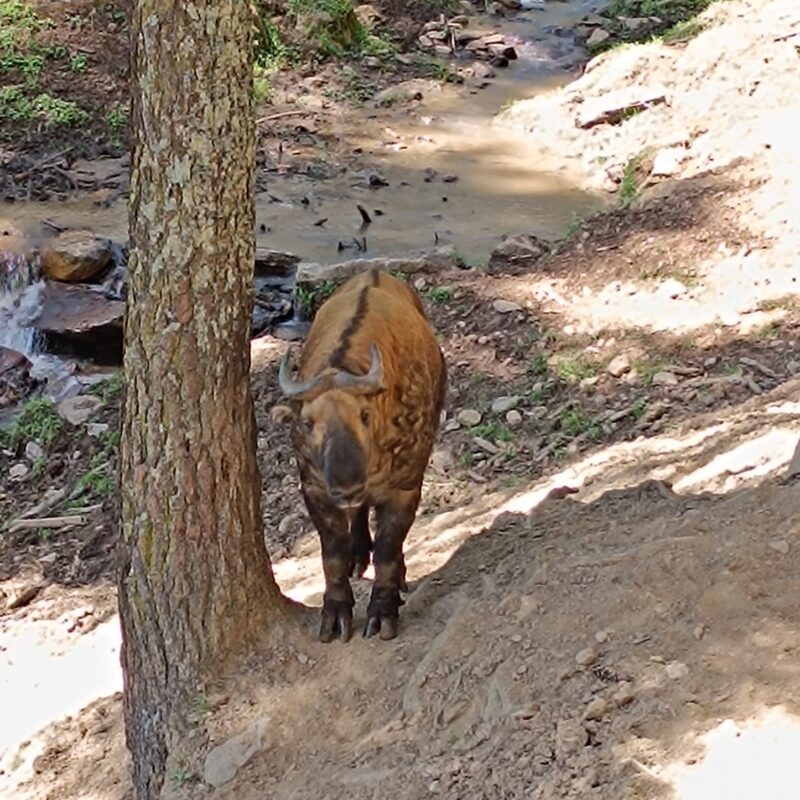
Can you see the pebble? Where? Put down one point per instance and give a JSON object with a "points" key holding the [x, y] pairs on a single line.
{"points": [[780, 546], [504, 403], [514, 418], [469, 417], [597, 709], [618, 366], [668, 161], [586, 657], [506, 306], [571, 737], [665, 379], [95, 429], [676, 670], [34, 451], [601, 637], [18, 471], [624, 694], [699, 632]]}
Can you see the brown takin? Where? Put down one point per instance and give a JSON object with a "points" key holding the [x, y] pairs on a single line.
{"points": [[367, 403]]}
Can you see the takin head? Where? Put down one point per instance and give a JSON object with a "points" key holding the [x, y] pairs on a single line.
{"points": [[335, 426]]}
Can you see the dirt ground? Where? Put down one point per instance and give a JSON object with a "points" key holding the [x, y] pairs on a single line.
{"points": [[602, 572]]}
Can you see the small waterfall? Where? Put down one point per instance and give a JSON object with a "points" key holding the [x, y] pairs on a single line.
{"points": [[21, 296]]}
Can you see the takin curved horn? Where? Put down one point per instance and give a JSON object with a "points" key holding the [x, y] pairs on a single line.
{"points": [[291, 388], [371, 383]]}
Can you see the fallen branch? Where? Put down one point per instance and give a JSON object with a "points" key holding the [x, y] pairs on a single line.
{"points": [[50, 500], [47, 522], [284, 114]]}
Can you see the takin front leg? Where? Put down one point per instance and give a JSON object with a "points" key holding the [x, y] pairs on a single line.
{"points": [[394, 518], [362, 541], [337, 564]]}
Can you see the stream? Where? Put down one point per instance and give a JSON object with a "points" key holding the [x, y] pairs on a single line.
{"points": [[448, 177]]}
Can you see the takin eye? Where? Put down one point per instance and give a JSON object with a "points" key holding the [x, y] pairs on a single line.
{"points": [[365, 416], [308, 425]]}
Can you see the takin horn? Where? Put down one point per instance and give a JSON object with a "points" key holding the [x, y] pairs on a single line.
{"points": [[294, 388], [371, 383]]}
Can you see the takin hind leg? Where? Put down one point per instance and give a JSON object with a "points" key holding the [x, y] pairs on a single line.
{"points": [[362, 542], [394, 518]]}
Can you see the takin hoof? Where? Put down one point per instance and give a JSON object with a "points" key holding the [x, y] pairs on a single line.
{"points": [[336, 621], [385, 627], [382, 613]]}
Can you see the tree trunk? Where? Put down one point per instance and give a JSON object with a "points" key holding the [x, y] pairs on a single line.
{"points": [[195, 582]]}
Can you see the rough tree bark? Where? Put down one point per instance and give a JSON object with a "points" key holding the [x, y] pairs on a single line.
{"points": [[195, 582]]}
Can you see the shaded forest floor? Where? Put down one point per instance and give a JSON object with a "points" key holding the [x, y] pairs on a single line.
{"points": [[603, 571]]}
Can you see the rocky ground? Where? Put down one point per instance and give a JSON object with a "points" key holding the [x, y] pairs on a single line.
{"points": [[603, 566]]}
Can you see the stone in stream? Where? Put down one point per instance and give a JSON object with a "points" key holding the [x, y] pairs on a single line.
{"points": [[75, 256], [519, 252], [81, 318], [15, 378]]}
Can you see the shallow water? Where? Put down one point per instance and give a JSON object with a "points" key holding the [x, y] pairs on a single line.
{"points": [[502, 185]]}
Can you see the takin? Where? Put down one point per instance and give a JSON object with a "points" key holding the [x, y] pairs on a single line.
{"points": [[366, 407]]}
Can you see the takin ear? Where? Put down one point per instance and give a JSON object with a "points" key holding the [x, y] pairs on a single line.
{"points": [[282, 413]]}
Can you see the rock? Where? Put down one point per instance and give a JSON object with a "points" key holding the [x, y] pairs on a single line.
{"points": [[619, 365], [520, 252], [676, 670], [223, 761], [597, 37], [499, 61], [77, 410], [496, 9], [780, 546], [667, 161], [75, 256], [624, 694], [613, 107], [401, 92], [15, 377], [480, 70], [514, 418], [465, 37], [275, 262], [12, 359], [665, 378], [24, 595], [513, 5], [506, 306], [672, 288], [587, 657], [95, 429], [449, 178], [571, 737], [635, 23], [469, 417], [19, 471], [699, 632], [596, 709], [34, 451], [81, 316], [505, 403], [503, 51], [316, 273]]}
